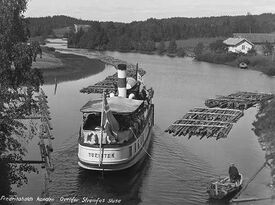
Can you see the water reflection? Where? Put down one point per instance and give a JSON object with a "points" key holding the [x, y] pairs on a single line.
{"points": [[73, 72], [69, 180], [123, 185]]}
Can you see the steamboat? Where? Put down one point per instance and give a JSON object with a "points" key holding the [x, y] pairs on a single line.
{"points": [[115, 132]]}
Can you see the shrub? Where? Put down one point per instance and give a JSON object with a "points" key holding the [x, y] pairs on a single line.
{"points": [[48, 49], [181, 52], [244, 60]]}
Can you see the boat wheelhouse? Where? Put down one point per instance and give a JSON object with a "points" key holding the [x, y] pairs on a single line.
{"points": [[101, 147]]}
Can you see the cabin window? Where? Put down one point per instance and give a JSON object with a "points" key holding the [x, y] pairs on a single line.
{"points": [[91, 122], [130, 151]]}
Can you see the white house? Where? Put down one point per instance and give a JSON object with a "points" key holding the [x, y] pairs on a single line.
{"points": [[238, 45], [77, 27]]}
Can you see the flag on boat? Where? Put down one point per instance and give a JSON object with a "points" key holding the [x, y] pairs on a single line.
{"points": [[139, 78], [110, 123]]}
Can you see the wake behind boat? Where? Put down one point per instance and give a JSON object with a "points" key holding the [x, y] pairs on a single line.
{"points": [[116, 130]]}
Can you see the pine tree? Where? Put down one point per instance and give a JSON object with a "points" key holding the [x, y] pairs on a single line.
{"points": [[172, 47]]}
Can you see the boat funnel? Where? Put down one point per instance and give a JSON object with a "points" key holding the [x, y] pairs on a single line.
{"points": [[121, 83]]}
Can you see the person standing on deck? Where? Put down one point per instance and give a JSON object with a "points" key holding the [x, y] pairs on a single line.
{"points": [[234, 173]]}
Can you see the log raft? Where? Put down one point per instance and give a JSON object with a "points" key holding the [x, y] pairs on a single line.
{"points": [[217, 120], [205, 123], [109, 84], [239, 100]]}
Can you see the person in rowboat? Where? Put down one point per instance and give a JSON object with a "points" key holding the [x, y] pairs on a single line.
{"points": [[234, 173]]}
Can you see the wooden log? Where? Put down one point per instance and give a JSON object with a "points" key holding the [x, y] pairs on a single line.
{"points": [[26, 162], [251, 199], [198, 125]]}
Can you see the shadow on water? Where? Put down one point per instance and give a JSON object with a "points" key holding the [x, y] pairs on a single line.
{"points": [[121, 185]]}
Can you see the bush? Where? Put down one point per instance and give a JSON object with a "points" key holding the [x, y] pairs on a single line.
{"points": [[181, 52], [48, 49], [243, 60], [217, 57]]}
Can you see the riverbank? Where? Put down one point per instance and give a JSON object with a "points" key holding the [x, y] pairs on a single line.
{"points": [[261, 63], [61, 67], [264, 128]]}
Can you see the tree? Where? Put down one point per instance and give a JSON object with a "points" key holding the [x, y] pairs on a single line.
{"points": [[268, 48], [218, 46], [18, 82], [161, 47], [181, 52], [198, 50], [252, 52], [172, 47]]}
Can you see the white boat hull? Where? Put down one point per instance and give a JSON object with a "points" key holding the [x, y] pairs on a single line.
{"points": [[117, 157]]}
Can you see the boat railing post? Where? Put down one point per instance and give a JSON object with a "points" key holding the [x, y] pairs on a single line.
{"points": [[101, 136]]}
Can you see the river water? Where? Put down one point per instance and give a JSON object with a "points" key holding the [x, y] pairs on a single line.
{"points": [[179, 169]]}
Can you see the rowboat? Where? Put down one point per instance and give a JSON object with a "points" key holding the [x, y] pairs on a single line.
{"points": [[243, 65], [223, 188], [116, 130]]}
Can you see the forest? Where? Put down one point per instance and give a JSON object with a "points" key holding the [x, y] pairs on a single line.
{"points": [[143, 35]]}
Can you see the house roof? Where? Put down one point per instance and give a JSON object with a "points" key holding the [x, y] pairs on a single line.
{"points": [[257, 37], [117, 105], [235, 41]]}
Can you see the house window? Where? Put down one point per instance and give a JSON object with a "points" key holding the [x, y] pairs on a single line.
{"points": [[243, 47]]}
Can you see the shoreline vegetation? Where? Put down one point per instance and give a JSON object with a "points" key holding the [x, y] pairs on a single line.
{"points": [[260, 63], [177, 36], [59, 67], [264, 128]]}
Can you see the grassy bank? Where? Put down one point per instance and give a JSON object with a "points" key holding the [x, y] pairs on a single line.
{"points": [[65, 67], [264, 64], [261, 63]]}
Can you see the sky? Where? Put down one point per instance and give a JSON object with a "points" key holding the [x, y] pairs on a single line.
{"points": [[136, 10]]}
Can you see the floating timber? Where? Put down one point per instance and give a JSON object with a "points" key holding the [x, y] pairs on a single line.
{"points": [[109, 84], [239, 100], [216, 120], [205, 122]]}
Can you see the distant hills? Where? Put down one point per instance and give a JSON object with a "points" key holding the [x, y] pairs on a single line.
{"points": [[142, 35], [177, 27]]}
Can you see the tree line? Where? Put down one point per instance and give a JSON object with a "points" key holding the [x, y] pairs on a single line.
{"points": [[142, 35]]}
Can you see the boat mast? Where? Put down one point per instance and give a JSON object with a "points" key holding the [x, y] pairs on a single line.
{"points": [[101, 134]]}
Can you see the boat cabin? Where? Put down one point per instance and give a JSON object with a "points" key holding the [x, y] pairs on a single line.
{"points": [[129, 113]]}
